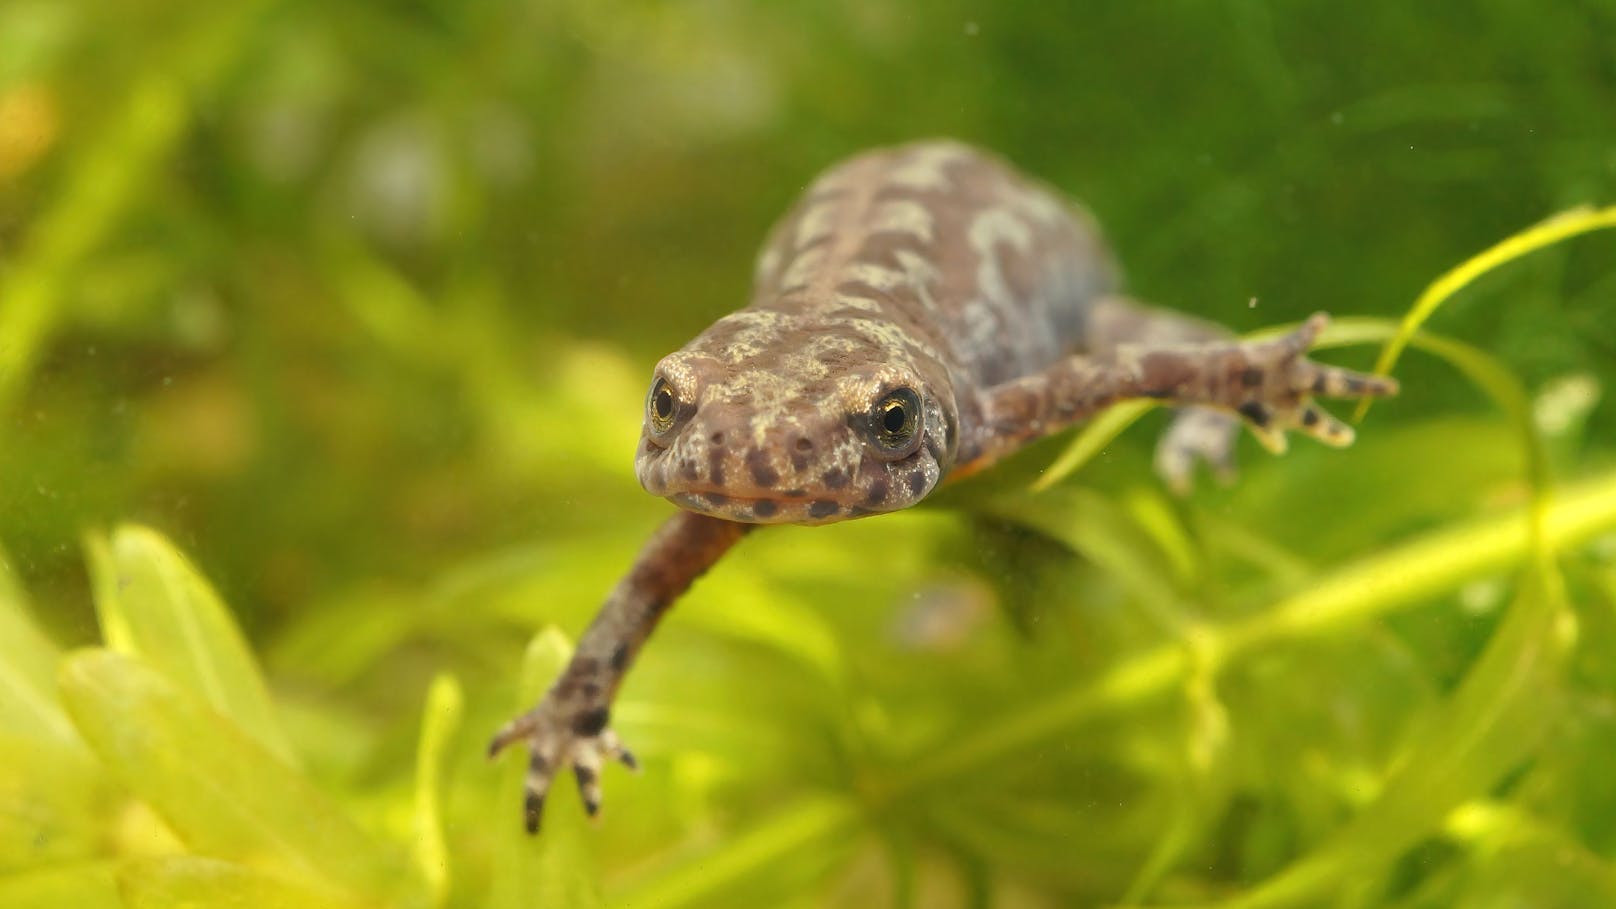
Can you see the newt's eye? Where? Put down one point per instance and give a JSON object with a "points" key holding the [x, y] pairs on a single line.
{"points": [[895, 423], [661, 407]]}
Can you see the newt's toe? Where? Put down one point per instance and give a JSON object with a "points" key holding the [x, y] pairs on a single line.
{"points": [[556, 745]]}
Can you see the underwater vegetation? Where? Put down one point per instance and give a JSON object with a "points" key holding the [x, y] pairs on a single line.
{"points": [[324, 334]]}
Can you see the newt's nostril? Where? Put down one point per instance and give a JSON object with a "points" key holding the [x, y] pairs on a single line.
{"points": [[717, 438], [804, 444]]}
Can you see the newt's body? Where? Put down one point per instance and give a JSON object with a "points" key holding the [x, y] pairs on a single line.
{"points": [[922, 312]]}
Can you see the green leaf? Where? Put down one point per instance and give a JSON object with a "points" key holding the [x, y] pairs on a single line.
{"points": [[52, 803], [28, 704], [1352, 594], [791, 627], [1546, 233], [557, 866], [1497, 718], [154, 604], [217, 787], [106, 178], [1107, 536], [444, 705], [1091, 440], [187, 881], [815, 828], [75, 885]]}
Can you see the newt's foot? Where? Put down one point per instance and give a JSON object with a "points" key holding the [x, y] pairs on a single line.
{"points": [[1197, 435], [556, 743], [1275, 388]]}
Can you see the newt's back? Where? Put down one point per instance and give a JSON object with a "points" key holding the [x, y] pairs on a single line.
{"points": [[989, 269]]}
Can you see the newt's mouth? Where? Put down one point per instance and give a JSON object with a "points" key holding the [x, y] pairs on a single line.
{"points": [[770, 510]]}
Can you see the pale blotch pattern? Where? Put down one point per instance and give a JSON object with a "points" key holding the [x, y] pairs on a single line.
{"points": [[828, 344], [879, 277], [862, 304], [1042, 207], [988, 230], [815, 224], [756, 333], [767, 262], [804, 268], [903, 345], [770, 395], [904, 216], [920, 273], [926, 168]]}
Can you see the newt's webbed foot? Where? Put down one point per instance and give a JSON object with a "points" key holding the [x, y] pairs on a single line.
{"points": [[556, 743], [1277, 383]]}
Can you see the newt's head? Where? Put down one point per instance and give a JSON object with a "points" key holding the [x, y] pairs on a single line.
{"points": [[795, 427]]}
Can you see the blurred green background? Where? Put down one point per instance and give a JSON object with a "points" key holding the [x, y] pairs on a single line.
{"points": [[355, 303]]}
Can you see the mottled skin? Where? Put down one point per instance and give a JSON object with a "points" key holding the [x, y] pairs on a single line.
{"points": [[921, 312]]}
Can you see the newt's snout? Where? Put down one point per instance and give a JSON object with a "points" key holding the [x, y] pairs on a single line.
{"points": [[755, 448], [723, 464]]}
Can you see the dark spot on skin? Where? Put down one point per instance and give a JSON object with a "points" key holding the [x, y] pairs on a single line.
{"points": [[877, 493], [1254, 412], [656, 607], [591, 722], [1310, 418], [762, 473], [532, 810], [859, 511], [822, 509], [835, 478], [591, 690], [765, 509], [1251, 377], [796, 493], [717, 499], [687, 469], [917, 483], [715, 466], [619, 657]]}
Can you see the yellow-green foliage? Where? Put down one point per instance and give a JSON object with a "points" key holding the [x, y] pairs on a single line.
{"points": [[323, 330]]}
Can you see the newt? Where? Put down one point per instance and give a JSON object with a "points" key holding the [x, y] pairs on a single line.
{"points": [[921, 312]]}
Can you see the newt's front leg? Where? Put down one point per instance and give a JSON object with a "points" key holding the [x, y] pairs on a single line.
{"points": [[1269, 384], [568, 728]]}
